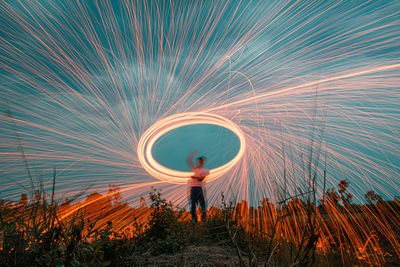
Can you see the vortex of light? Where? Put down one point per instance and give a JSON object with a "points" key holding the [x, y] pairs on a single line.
{"points": [[311, 86], [163, 126]]}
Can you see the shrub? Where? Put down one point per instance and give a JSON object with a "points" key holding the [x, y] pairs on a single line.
{"points": [[165, 229]]}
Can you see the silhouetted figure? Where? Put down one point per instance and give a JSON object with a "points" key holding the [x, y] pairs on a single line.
{"points": [[196, 186], [142, 202], [23, 202], [38, 197]]}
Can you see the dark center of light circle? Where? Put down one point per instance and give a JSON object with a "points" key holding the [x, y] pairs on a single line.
{"points": [[218, 144]]}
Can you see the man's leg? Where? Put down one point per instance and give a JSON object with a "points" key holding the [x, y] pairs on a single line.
{"points": [[203, 206], [193, 200]]}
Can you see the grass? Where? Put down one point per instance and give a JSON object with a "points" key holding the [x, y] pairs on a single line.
{"points": [[38, 233]]}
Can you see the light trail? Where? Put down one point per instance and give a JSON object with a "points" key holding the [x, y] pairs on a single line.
{"points": [[285, 90], [91, 87], [163, 126]]}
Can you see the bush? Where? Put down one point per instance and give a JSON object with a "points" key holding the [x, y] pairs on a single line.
{"points": [[165, 230]]}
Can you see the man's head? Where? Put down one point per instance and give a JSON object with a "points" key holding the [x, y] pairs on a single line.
{"points": [[201, 161]]}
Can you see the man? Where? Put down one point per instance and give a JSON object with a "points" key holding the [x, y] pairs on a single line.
{"points": [[196, 182]]}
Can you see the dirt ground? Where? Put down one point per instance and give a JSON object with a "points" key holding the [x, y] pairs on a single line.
{"points": [[206, 256]]}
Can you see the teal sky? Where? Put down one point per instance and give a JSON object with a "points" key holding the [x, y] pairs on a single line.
{"points": [[218, 144]]}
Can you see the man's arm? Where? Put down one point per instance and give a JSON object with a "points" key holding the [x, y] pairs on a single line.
{"points": [[204, 173], [199, 178], [189, 160]]}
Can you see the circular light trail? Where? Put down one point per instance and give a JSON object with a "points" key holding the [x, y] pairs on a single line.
{"points": [[165, 125]]}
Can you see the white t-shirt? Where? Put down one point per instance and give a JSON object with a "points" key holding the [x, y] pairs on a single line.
{"points": [[198, 172]]}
